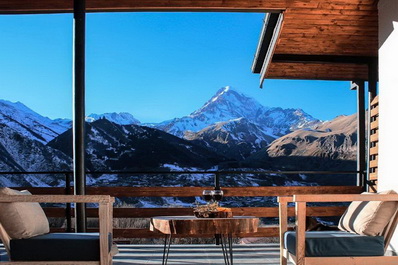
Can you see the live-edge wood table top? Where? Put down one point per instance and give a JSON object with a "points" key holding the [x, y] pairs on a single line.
{"points": [[191, 225]]}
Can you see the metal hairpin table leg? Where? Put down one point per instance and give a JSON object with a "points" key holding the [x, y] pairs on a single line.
{"points": [[166, 248], [230, 249], [226, 245], [224, 249]]}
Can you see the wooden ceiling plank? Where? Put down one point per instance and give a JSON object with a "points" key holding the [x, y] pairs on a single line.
{"points": [[346, 61], [327, 17], [331, 30], [325, 42], [367, 26], [317, 11], [321, 75], [322, 35], [326, 51], [345, 5]]}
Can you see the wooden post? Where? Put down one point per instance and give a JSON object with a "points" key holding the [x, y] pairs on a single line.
{"points": [[104, 216], [282, 229], [79, 34], [300, 232]]}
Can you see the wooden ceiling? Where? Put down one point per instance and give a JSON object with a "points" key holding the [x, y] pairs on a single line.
{"points": [[347, 29], [338, 28]]}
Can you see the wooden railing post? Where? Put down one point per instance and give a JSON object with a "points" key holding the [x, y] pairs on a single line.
{"points": [[300, 232], [282, 227], [68, 207]]}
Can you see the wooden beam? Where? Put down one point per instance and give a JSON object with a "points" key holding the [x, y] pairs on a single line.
{"points": [[311, 17], [345, 12], [228, 191], [237, 211], [66, 6], [303, 58], [334, 5], [330, 29], [328, 49], [318, 71]]}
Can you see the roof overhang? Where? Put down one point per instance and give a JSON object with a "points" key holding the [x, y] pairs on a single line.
{"points": [[334, 40]]}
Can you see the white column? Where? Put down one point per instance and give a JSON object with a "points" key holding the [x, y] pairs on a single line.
{"points": [[388, 96]]}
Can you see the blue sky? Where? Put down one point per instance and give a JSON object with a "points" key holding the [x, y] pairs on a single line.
{"points": [[156, 66]]}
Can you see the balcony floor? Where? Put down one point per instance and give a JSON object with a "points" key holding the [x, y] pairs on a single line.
{"points": [[192, 254]]}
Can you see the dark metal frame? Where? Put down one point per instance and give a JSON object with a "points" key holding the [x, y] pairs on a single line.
{"points": [[79, 56], [359, 86], [270, 21]]}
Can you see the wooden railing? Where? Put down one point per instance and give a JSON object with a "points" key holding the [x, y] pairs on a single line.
{"points": [[269, 231], [374, 142]]}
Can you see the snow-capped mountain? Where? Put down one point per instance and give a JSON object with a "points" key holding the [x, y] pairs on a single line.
{"points": [[229, 104], [20, 153], [235, 139], [122, 118], [29, 123]]}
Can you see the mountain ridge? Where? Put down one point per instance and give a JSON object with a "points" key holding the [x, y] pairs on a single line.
{"points": [[229, 104]]}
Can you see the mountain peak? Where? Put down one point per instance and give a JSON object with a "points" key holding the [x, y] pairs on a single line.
{"points": [[122, 118], [229, 104], [19, 117]]}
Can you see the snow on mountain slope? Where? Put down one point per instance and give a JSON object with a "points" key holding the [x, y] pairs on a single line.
{"points": [[20, 153], [112, 146], [229, 104], [122, 118], [235, 139], [29, 123]]}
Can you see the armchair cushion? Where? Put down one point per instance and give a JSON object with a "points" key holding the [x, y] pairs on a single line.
{"points": [[57, 247], [368, 218], [336, 244], [22, 219]]}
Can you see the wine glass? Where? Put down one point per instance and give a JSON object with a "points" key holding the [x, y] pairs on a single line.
{"points": [[217, 195], [207, 195]]}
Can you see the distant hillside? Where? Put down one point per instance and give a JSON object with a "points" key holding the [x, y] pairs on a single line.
{"points": [[329, 147], [112, 146], [235, 139], [335, 139]]}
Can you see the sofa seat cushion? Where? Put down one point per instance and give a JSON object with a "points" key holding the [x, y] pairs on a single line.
{"points": [[336, 244], [57, 247]]}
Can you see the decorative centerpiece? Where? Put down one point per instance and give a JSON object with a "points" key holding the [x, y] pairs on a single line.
{"points": [[212, 210]]}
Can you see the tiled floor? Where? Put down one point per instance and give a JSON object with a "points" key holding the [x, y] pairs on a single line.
{"points": [[197, 254], [192, 254]]}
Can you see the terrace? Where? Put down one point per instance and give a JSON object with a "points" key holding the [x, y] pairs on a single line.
{"points": [[315, 40]]}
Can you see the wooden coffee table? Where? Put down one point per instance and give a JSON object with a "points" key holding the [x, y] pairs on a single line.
{"points": [[191, 225]]}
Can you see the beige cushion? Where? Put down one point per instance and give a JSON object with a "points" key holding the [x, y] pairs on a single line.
{"points": [[368, 218], [22, 219]]}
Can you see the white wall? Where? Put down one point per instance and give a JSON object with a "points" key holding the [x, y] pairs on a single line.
{"points": [[388, 95]]}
